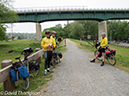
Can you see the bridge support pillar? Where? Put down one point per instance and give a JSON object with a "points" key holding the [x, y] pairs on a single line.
{"points": [[102, 27], [38, 31]]}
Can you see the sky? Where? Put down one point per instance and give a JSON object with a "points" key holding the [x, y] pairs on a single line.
{"points": [[31, 27]]}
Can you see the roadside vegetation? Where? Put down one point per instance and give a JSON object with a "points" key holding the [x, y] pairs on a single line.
{"points": [[18, 46], [122, 54], [116, 29]]}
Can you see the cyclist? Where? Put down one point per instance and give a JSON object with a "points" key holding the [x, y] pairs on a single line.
{"points": [[48, 44], [103, 43], [54, 38]]}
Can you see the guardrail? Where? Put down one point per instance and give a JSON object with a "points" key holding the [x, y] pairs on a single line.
{"points": [[63, 8], [6, 65]]}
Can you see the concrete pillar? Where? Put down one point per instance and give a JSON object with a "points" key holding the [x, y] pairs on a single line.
{"points": [[102, 27], [38, 31]]}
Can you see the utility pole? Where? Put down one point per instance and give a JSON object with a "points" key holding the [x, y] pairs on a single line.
{"points": [[12, 31]]}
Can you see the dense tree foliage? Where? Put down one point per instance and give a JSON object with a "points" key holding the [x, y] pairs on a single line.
{"points": [[117, 30], [7, 14]]}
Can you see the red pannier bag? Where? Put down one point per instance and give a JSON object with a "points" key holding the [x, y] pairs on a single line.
{"points": [[114, 51], [108, 53]]}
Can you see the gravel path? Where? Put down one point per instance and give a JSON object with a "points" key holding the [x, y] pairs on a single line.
{"points": [[76, 76]]}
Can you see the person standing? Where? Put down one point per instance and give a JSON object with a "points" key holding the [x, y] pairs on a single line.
{"points": [[47, 44], [54, 38], [103, 43]]}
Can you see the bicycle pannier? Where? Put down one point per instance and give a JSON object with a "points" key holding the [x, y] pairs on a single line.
{"points": [[23, 71], [114, 51], [13, 75], [16, 65], [33, 64], [108, 53], [60, 54], [54, 54]]}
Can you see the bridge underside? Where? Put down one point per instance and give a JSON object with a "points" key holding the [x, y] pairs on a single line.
{"points": [[72, 15], [98, 15]]}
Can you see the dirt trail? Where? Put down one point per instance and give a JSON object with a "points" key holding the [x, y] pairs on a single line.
{"points": [[76, 76]]}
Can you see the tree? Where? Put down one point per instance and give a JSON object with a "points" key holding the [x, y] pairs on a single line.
{"points": [[7, 15]]}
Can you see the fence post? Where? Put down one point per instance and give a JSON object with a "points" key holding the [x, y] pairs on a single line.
{"points": [[39, 59], [9, 85]]}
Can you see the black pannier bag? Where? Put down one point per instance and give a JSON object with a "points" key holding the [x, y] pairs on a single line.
{"points": [[54, 54], [60, 55], [16, 65], [33, 64]]}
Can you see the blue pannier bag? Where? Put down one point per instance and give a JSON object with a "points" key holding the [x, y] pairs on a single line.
{"points": [[13, 75], [23, 72]]}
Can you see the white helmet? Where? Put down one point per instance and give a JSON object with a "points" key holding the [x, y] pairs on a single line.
{"points": [[103, 33]]}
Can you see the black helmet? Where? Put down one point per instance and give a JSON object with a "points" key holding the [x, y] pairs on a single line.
{"points": [[47, 32], [60, 54]]}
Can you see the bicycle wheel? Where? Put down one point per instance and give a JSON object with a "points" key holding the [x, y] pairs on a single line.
{"points": [[111, 59], [99, 58], [23, 83], [33, 68]]}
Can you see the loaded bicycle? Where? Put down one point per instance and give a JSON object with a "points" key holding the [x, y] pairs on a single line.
{"points": [[109, 55], [56, 58], [25, 69]]}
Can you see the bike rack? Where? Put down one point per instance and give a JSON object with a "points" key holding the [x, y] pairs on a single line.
{"points": [[60, 39], [94, 40]]}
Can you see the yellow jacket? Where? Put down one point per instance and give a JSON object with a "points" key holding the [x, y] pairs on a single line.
{"points": [[45, 42], [54, 41], [103, 42]]}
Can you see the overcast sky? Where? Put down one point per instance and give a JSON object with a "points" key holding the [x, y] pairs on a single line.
{"points": [[30, 27]]}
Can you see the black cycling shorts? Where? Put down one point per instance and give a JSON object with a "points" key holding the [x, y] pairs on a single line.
{"points": [[101, 50]]}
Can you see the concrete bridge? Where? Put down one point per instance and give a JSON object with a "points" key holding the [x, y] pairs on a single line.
{"points": [[39, 15]]}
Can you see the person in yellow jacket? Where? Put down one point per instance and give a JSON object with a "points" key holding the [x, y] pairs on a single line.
{"points": [[54, 38], [103, 43], [47, 44]]}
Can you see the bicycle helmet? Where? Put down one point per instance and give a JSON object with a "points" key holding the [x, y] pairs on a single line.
{"points": [[103, 33], [53, 32], [47, 32]]}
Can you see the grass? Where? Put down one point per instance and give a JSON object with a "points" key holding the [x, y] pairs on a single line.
{"points": [[17, 46], [122, 54]]}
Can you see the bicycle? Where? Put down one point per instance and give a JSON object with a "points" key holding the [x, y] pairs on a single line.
{"points": [[32, 67], [56, 58], [109, 55]]}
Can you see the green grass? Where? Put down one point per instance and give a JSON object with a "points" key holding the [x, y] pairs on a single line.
{"points": [[122, 54], [17, 46]]}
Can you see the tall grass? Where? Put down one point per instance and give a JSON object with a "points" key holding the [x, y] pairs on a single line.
{"points": [[122, 54]]}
